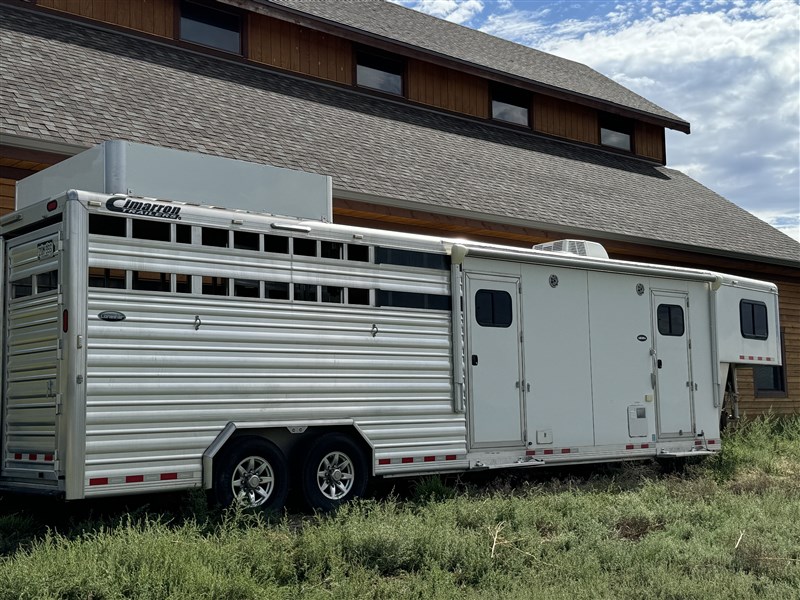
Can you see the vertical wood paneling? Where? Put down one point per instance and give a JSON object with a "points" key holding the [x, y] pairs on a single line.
{"points": [[448, 89], [297, 49], [155, 17], [648, 141], [7, 187], [565, 119]]}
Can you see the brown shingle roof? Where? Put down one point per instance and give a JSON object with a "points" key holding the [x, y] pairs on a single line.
{"points": [[63, 81]]}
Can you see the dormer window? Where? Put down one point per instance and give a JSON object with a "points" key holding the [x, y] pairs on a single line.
{"points": [[511, 105], [616, 132], [210, 27], [380, 72]]}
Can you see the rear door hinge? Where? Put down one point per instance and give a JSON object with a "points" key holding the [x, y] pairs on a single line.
{"points": [[58, 404]]}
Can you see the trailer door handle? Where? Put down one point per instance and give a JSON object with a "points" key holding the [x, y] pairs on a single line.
{"points": [[659, 363], [474, 360]]}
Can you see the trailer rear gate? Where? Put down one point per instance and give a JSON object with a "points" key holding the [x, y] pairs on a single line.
{"points": [[32, 398]]}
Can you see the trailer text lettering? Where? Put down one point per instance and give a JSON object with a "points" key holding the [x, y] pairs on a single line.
{"points": [[145, 209]]}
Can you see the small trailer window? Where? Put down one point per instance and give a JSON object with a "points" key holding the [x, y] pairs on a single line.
{"points": [[753, 319], [493, 308], [332, 294], [670, 320], [106, 278], [22, 287], [276, 243], [46, 282], [245, 288], [245, 240], [150, 281], [215, 286], [357, 253], [411, 258], [276, 290], [107, 225], [215, 237], [183, 234], [305, 247], [332, 250], [358, 296], [305, 292], [150, 230], [413, 300]]}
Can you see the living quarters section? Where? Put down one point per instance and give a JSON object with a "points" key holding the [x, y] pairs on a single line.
{"points": [[222, 317]]}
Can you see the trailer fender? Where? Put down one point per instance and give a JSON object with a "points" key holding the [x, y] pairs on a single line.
{"points": [[289, 427]]}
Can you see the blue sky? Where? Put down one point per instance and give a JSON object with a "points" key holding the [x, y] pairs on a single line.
{"points": [[729, 67]]}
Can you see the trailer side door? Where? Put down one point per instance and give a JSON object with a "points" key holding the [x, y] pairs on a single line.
{"points": [[672, 364], [494, 361]]}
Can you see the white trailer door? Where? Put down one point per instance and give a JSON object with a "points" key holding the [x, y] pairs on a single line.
{"points": [[494, 361], [32, 357], [672, 364]]}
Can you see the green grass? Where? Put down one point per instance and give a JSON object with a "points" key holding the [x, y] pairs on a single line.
{"points": [[725, 528]]}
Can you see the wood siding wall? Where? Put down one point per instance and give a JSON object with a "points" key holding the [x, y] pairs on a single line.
{"points": [[565, 120], [294, 48], [7, 187], [448, 89], [648, 141], [156, 17]]}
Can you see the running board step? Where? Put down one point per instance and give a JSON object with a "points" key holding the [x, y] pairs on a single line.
{"points": [[687, 453], [528, 461]]}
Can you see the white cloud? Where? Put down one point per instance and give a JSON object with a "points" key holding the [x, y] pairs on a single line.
{"points": [[731, 68], [456, 11]]}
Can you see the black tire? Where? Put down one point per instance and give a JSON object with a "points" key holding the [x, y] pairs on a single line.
{"points": [[334, 472], [251, 473]]}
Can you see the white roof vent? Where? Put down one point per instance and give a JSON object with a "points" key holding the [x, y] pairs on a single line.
{"points": [[578, 247]]}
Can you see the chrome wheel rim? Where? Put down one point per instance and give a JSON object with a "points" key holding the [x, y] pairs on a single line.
{"points": [[335, 475], [253, 481]]}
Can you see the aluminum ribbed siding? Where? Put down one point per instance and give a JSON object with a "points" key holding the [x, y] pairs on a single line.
{"points": [[164, 382]]}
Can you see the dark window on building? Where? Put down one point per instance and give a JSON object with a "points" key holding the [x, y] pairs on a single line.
{"points": [[670, 319], [331, 250], [46, 282], [106, 225], [305, 292], [357, 253], [511, 105], [215, 237], [150, 281], [380, 72], [411, 258], [245, 288], [412, 300], [245, 240], [106, 278], [616, 132], [753, 319], [22, 287], [215, 286], [276, 290], [276, 243], [771, 381], [183, 234], [305, 247], [183, 284], [211, 27], [493, 308], [150, 230]]}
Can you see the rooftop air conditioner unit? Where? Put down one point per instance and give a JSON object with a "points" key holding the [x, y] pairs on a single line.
{"points": [[577, 247]]}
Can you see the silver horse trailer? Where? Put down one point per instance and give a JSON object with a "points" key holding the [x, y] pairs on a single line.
{"points": [[153, 345]]}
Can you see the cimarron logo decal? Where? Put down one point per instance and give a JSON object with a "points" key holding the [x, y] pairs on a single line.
{"points": [[143, 209]]}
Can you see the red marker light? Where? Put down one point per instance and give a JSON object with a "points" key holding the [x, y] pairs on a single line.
{"points": [[65, 321], [52, 205]]}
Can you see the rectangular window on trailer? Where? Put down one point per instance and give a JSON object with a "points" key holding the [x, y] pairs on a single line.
{"points": [[143, 229], [150, 281], [493, 308], [276, 290], [183, 283], [22, 287], [305, 247], [670, 319], [380, 72], [304, 292], [46, 282], [332, 294], [753, 319], [616, 132], [245, 288], [511, 105], [411, 258], [215, 286], [276, 243], [211, 236], [107, 278], [108, 225], [412, 300], [245, 240], [183, 234], [210, 27], [358, 296], [357, 253]]}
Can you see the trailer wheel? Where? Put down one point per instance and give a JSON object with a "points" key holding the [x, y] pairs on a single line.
{"points": [[334, 472], [253, 473]]}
